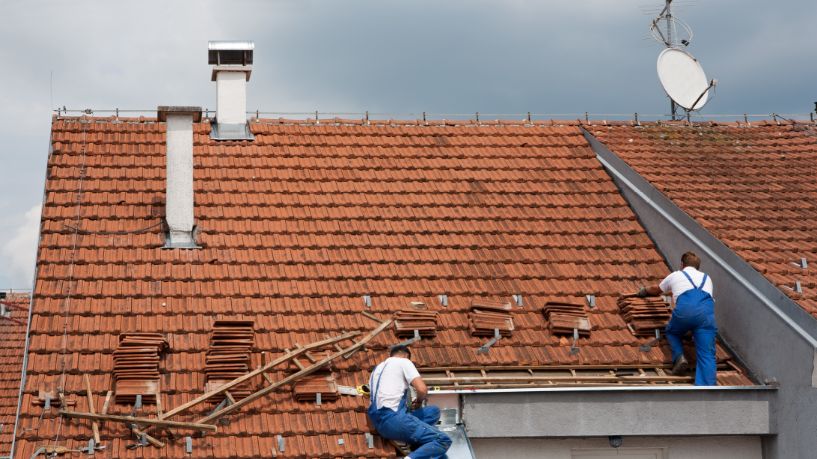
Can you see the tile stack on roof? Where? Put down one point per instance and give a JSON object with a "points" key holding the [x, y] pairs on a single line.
{"points": [[12, 347], [295, 228], [644, 315], [488, 317], [751, 186], [407, 321], [136, 366], [565, 318], [307, 389], [228, 356]]}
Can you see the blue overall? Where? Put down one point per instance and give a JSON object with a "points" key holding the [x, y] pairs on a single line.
{"points": [[695, 311], [413, 428]]}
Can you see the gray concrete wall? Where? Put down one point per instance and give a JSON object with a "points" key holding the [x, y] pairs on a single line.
{"points": [[617, 412], [767, 330], [633, 447]]}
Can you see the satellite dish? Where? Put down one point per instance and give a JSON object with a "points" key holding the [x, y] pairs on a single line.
{"points": [[683, 78]]}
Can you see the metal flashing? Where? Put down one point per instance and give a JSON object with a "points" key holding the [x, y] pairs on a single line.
{"points": [[224, 131]]}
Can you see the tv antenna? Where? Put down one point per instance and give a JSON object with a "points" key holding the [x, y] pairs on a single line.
{"points": [[681, 75]]}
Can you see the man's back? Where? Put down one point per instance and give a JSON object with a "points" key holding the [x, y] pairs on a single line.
{"points": [[394, 376], [678, 283]]}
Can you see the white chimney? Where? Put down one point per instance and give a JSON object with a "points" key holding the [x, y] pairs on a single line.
{"points": [[179, 197], [232, 61]]}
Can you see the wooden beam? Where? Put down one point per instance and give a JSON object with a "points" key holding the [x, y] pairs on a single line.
{"points": [[294, 377], [90, 394], [135, 420]]}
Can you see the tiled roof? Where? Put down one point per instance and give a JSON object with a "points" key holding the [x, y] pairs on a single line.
{"points": [[295, 228], [12, 347], [752, 186]]}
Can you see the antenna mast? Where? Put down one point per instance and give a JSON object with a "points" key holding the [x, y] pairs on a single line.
{"points": [[668, 14]]}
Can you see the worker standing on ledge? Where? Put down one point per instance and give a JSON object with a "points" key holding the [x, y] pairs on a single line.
{"points": [[389, 411], [694, 311]]}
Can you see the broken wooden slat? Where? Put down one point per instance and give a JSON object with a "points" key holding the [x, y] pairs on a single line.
{"points": [[136, 420]]}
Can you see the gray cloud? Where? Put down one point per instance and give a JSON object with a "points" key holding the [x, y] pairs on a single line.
{"points": [[453, 56]]}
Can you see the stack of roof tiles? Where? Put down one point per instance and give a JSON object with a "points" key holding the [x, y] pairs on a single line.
{"points": [[409, 320], [488, 317], [565, 318], [751, 185], [228, 357], [307, 389], [12, 346], [136, 367], [644, 315], [295, 228]]}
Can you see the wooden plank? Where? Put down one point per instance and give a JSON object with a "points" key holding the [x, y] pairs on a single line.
{"points": [[135, 420], [294, 377], [90, 394]]}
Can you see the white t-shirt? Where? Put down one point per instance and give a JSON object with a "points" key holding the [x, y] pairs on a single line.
{"points": [[399, 373], [678, 283]]}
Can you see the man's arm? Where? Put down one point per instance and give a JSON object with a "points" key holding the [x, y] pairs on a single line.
{"points": [[652, 290], [422, 391], [420, 386]]}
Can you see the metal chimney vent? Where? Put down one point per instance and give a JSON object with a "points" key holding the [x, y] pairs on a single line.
{"points": [[232, 61]]}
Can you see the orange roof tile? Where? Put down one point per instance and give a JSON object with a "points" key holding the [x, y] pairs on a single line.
{"points": [[12, 348], [295, 228], [751, 186]]}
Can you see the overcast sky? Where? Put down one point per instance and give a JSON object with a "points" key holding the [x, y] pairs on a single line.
{"points": [[399, 57]]}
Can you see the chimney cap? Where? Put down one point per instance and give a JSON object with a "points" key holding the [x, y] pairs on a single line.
{"points": [[163, 110], [230, 52]]}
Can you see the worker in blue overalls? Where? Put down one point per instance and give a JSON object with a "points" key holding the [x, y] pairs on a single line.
{"points": [[389, 384], [694, 311]]}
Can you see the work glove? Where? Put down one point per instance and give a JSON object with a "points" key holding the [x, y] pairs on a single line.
{"points": [[642, 292]]}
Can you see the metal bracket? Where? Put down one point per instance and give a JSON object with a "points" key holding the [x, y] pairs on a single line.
{"points": [[369, 440], [138, 404], [487, 346], [281, 443], [188, 445], [318, 399], [574, 346], [518, 300], [802, 264], [367, 301], [410, 341], [798, 287], [646, 347], [340, 441], [47, 405], [591, 301], [443, 300]]}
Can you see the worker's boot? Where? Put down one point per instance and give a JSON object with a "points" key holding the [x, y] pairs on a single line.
{"points": [[681, 366]]}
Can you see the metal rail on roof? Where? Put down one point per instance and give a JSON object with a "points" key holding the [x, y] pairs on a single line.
{"points": [[477, 116]]}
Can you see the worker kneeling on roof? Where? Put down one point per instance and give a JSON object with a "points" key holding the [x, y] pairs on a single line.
{"points": [[694, 311], [389, 409]]}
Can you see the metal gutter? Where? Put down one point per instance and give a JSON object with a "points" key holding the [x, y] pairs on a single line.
{"points": [[667, 388], [31, 300], [713, 248]]}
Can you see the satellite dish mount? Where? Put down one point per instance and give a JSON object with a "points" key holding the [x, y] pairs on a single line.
{"points": [[680, 73]]}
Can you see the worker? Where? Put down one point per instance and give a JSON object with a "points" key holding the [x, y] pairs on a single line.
{"points": [[389, 409], [694, 311]]}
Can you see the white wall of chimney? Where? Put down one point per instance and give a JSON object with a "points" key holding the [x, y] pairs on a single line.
{"points": [[179, 199], [231, 96]]}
